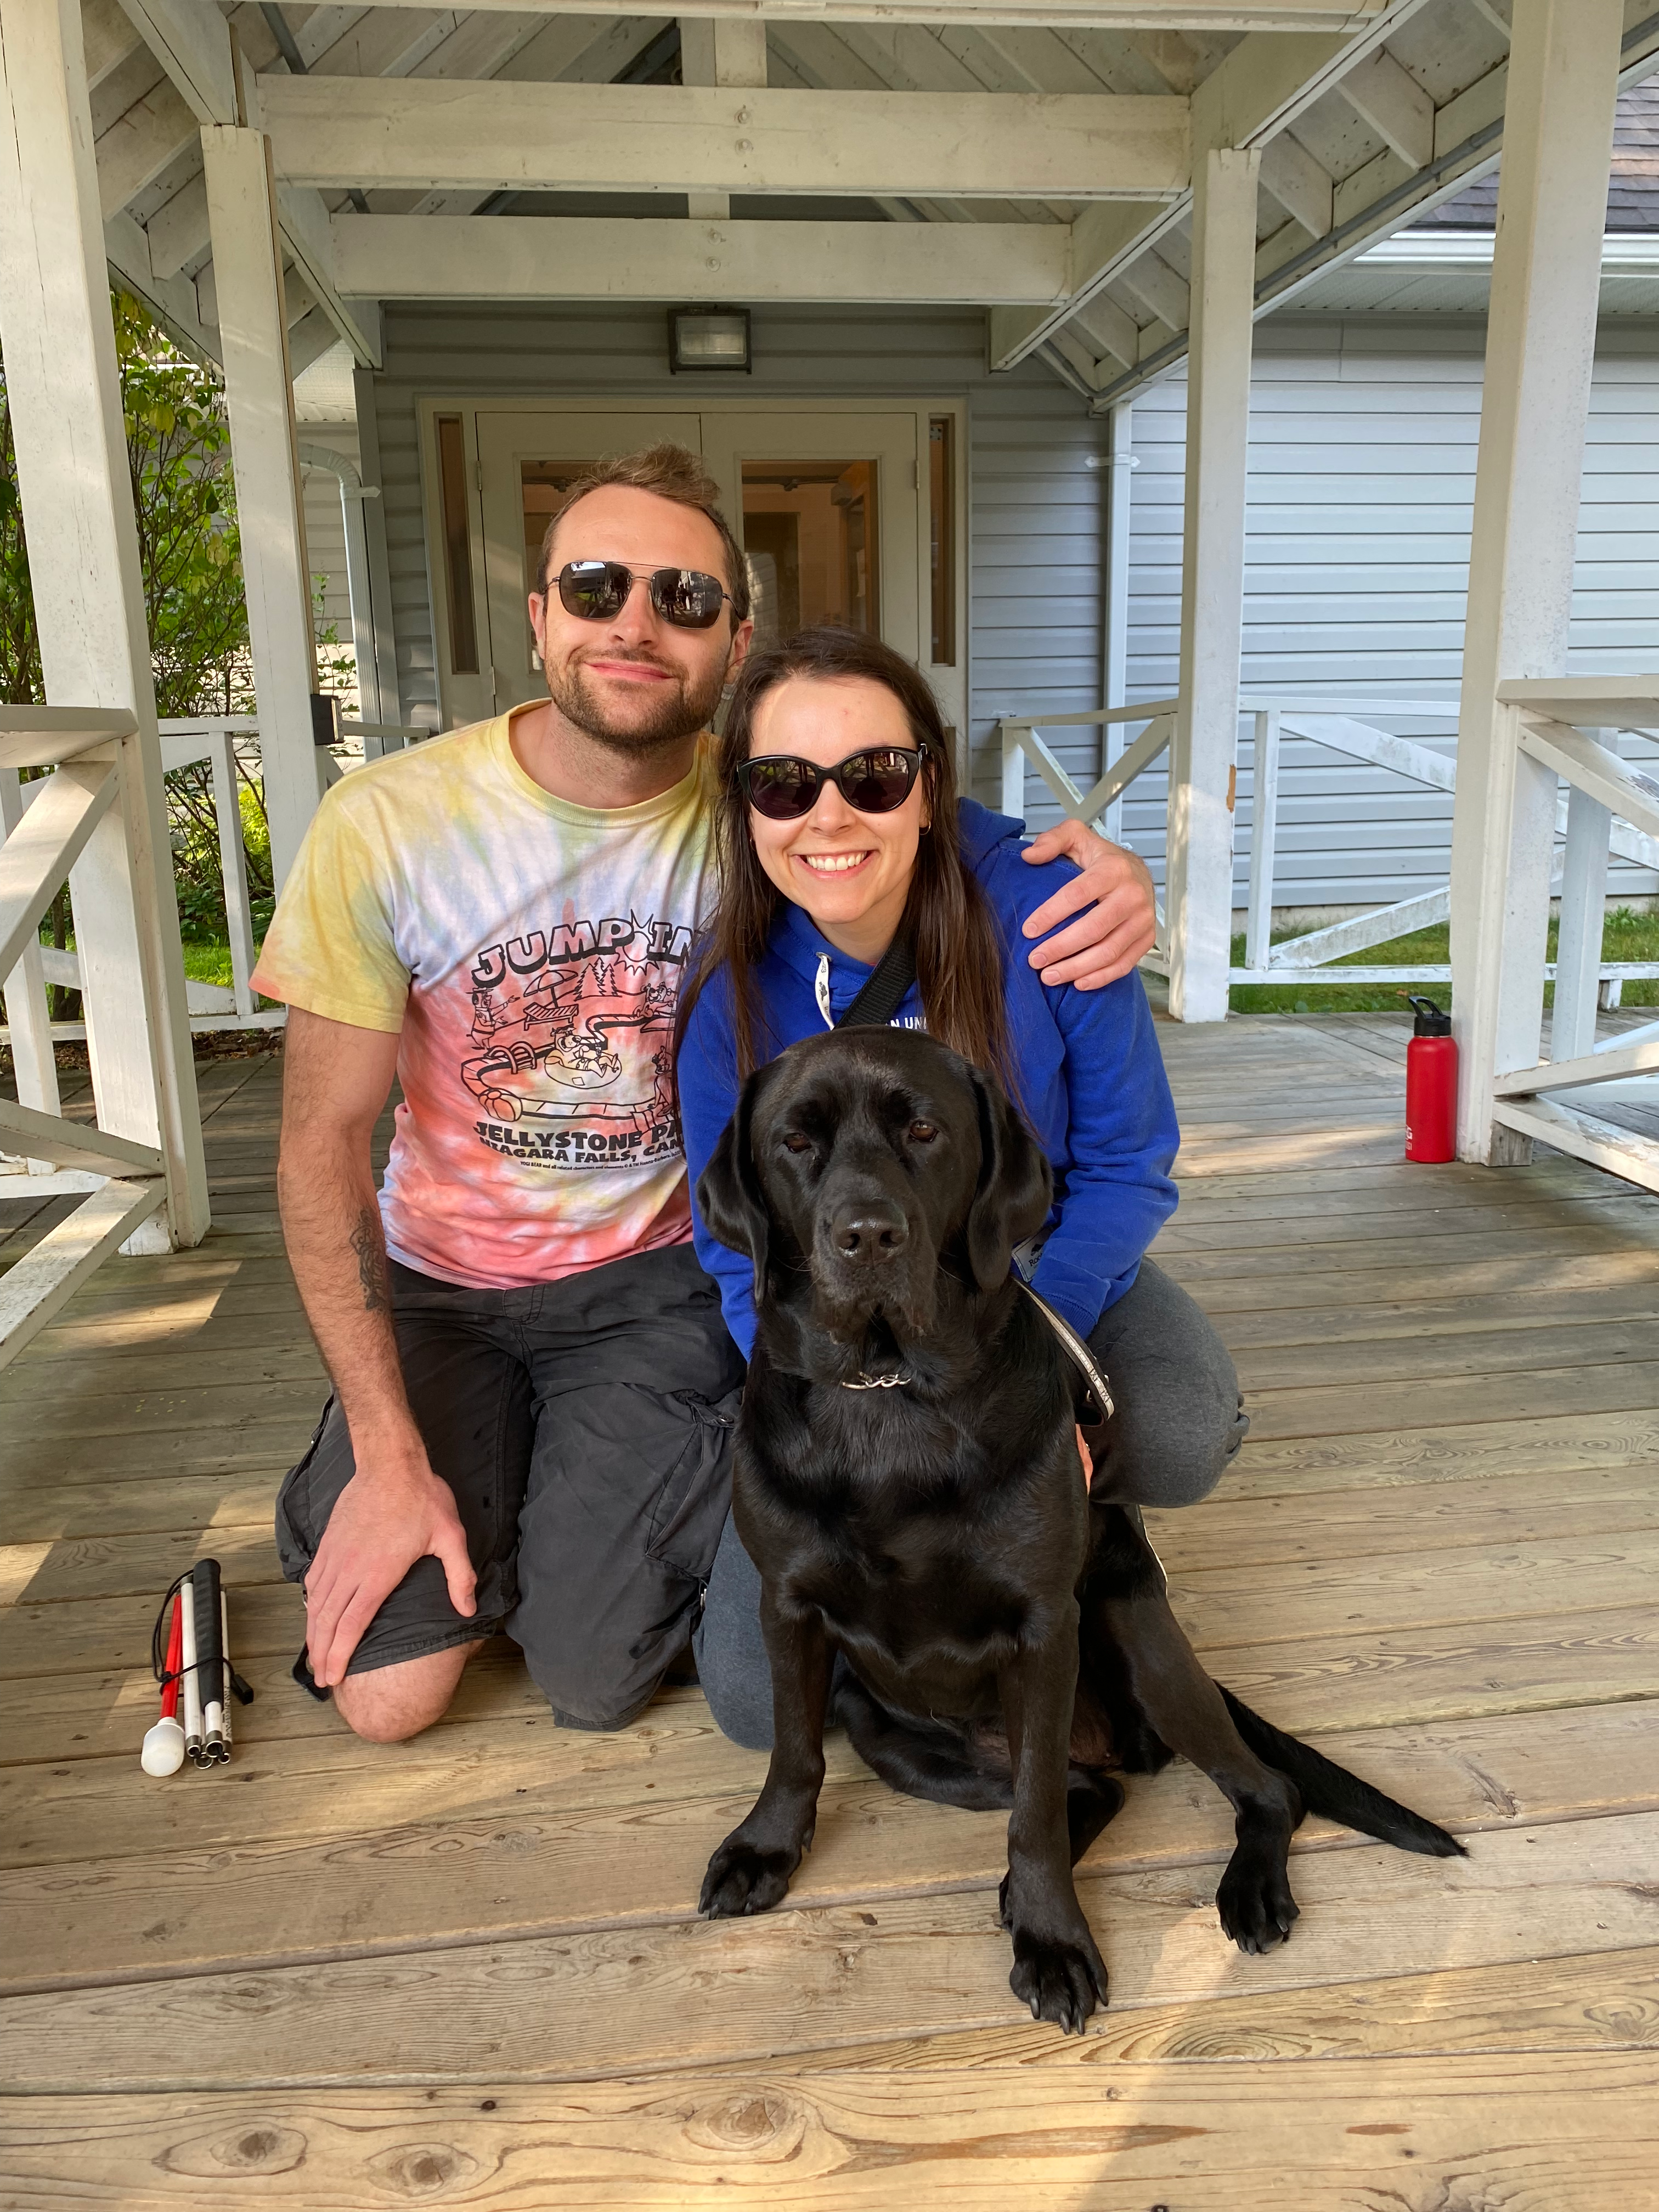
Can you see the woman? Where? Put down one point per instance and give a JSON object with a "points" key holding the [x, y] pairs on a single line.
{"points": [[819, 872]]}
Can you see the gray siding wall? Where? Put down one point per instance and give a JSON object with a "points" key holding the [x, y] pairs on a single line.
{"points": [[1363, 444], [1033, 512]]}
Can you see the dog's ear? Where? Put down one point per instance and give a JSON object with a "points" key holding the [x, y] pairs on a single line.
{"points": [[729, 1191], [1016, 1186]]}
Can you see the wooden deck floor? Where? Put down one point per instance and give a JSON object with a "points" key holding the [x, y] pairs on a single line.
{"points": [[465, 1971]]}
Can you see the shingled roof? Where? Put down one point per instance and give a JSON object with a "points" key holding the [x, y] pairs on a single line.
{"points": [[1632, 192]]}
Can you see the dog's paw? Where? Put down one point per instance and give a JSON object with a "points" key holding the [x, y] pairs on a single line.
{"points": [[1254, 1902], [741, 1879], [1061, 1981]]}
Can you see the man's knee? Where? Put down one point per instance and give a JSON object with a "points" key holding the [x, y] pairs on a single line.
{"points": [[389, 1704]]}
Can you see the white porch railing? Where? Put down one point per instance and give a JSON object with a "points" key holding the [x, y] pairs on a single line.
{"points": [[1021, 741], [1338, 726], [124, 1184], [1555, 727], [185, 742]]}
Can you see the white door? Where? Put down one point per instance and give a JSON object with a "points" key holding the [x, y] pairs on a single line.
{"points": [[526, 458]]}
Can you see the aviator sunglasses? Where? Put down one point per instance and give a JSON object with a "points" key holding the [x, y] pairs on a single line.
{"points": [[598, 591], [784, 789]]}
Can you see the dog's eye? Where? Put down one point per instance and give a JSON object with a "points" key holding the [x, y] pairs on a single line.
{"points": [[923, 1132], [794, 1142]]}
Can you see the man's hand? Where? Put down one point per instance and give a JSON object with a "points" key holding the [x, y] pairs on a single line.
{"points": [[1112, 899], [386, 1518]]}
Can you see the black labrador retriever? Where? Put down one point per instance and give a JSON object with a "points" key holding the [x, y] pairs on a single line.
{"points": [[907, 1484]]}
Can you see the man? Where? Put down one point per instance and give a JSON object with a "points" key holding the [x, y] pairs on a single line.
{"points": [[533, 1386]]}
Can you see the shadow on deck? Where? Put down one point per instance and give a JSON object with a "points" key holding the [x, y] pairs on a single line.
{"points": [[466, 1971]]}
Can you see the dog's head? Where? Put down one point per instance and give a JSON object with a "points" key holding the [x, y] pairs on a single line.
{"points": [[860, 1159]]}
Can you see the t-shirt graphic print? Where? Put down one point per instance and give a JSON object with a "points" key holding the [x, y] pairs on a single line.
{"points": [[530, 953], [575, 1032]]}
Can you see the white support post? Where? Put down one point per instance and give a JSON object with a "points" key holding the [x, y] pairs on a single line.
{"points": [[1013, 774], [1198, 878], [232, 865], [64, 391], [1541, 337], [28, 1014], [388, 704], [247, 260], [1264, 833], [1583, 910], [1115, 670]]}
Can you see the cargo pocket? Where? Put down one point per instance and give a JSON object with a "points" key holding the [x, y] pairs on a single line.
{"points": [[297, 1539], [696, 1496]]}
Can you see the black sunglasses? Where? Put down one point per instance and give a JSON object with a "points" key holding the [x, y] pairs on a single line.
{"points": [[598, 591], [874, 781]]}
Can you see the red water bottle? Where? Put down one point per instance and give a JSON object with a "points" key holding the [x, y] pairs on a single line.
{"points": [[1430, 1085]]}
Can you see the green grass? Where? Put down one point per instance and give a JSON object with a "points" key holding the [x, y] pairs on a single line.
{"points": [[208, 963], [1625, 936]]}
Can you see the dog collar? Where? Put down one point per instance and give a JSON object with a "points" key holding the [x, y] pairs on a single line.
{"points": [[880, 1382]]}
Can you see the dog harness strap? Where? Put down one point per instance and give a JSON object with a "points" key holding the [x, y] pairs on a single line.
{"points": [[1077, 1351], [880, 999]]}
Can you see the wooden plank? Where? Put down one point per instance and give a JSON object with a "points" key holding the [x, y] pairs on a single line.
{"points": [[1295, 1289], [89, 1567], [95, 1509], [1606, 2002], [1238, 1526], [265, 1358], [1573, 2134], [1637, 1220], [224, 1407], [531, 1857], [634, 2000], [1372, 1459], [1400, 1321], [258, 1447], [87, 1636], [1474, 1352], [1340, 1409]]}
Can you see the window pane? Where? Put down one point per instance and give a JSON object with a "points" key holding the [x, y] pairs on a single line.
{"points": [[457, 546], [811, 531], [942, 535]]}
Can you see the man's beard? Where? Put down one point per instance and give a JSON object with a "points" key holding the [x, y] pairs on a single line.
{"points": [[664, 715]]}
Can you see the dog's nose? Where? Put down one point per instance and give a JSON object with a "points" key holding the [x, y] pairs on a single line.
{"points": [[875, 1229]]}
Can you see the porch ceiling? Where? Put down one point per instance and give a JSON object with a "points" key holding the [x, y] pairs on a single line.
{"points": [[787, 156]]}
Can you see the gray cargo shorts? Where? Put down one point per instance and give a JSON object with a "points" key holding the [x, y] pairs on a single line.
{"points": [[585, 1427]]}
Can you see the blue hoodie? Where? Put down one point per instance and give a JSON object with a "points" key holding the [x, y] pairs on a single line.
{"points": [[1093, 1078]]}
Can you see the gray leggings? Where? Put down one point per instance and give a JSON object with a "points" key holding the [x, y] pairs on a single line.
{"points": [[1179, 1423]]}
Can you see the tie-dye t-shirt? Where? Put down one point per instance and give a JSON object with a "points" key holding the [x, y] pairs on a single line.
{"points": [[529, 954]]}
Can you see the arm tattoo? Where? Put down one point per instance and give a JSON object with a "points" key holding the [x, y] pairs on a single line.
{"points": [[368, 1243]]}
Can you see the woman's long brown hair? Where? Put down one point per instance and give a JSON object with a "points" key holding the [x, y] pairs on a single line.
{"points": [[958, 946]]}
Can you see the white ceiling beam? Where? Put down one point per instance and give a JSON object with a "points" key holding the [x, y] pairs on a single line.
{"points": [[1303, 187], [109, 38], [624, 138], [171, 299], [194, 52], [1260, 88], [720, 50], [1063, 14], [555, 257], [1104, 241], [1110, 329], [1159, 287], [140, 144], [192, 44], [1391, 101]]}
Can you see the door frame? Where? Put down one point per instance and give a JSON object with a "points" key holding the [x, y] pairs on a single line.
{"points": [[465, 698]]}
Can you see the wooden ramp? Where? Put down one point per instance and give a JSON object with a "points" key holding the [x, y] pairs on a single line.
{"points": [[467, 1972]]}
